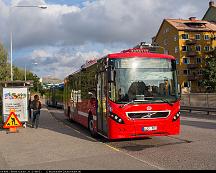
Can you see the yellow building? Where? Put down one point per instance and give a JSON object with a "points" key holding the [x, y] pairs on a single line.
{"points": [[189, 41]]}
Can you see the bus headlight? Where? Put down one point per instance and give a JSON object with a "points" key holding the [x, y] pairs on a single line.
{"points": [[116, 118], [176, 117]]}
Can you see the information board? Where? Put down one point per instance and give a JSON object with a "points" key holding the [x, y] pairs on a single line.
{"points": [[15, 99]]}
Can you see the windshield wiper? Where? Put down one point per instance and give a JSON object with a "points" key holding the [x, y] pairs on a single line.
{"points": [[166, 101], [131, 102], [127, 104]]}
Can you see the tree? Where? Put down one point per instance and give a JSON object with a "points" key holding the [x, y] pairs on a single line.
{"points": [[209, 72], [4, 66], [18, 73]]}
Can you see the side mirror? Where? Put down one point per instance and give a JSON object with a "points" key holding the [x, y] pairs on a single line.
{"points": [[111, 75], [173, 63], [179, 90]]}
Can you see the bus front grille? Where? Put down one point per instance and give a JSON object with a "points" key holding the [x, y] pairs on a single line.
{"points": [[148, 115]]}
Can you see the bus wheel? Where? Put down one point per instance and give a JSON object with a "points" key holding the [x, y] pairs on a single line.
{"points": [[91, 127]]}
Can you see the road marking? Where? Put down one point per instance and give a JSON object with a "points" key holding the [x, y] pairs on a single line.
{"points": [[148, 163], [111, 147], [140, 160]]}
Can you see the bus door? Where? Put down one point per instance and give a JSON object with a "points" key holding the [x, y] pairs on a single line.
{"points": [[101, 108], [74, 102]]}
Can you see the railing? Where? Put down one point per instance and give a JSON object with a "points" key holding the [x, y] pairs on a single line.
{"points": [[191, 42], [199, 102], [191, 53], [192, 66], [194, 78]]}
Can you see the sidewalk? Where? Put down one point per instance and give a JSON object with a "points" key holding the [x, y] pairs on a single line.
{"points": [[32, 148]]}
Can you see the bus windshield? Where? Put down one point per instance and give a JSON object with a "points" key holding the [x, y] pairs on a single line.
{"points": [[148, 80]]}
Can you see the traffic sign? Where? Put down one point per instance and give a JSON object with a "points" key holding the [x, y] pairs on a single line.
{"points": [[12, 121]]}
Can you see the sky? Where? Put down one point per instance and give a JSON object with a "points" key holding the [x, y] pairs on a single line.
{"points": [[70, 32]]}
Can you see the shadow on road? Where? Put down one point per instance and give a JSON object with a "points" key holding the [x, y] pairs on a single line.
{"points": [[76, 129], [138, 147], [53, 123]]}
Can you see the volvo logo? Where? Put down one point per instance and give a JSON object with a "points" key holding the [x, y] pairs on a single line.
{"points": [[149, 108], [149, 115]]}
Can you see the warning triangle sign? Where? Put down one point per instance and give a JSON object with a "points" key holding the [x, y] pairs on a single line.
{"points": [[12, 121]]}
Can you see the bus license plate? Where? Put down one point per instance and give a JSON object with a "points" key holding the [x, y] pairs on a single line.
{"points": [[150, 128]]}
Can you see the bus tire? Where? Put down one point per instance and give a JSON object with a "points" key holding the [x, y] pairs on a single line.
{"points": [[91, 126]]}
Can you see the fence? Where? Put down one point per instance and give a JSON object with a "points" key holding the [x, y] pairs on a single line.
{"points": [[204, 100]]}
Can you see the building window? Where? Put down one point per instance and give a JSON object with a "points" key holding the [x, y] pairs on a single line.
{"points": [[185, 36], [175, 38], [198, 60], [200, 72], [186, 60], [184, 48], [187, 84], [176, 49], [207, 48], [198, 48], [186, 72], [197, 36], [177, 61], [167, 30], [206, 37]]}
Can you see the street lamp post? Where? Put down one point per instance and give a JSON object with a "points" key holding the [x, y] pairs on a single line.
{"points": [[25, 72], [11, 35]]}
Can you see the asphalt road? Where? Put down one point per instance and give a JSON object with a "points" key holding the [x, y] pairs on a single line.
{"points": [[60, 144]]}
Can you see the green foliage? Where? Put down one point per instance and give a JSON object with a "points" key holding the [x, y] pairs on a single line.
{"points": [[4, 67], [209, 72], [18, 74]]}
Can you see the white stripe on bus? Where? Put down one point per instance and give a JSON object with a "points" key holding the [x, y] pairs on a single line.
{"points": [[86, 115]]}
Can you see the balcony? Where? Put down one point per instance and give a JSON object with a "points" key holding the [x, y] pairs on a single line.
{"points": [[194, 78], [191, 53], [191, 42], [192, 66]]}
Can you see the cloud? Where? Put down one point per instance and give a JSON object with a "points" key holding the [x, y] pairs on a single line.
{"points": [[64, 36], [62, 61], [102, 21], [40, 54]]}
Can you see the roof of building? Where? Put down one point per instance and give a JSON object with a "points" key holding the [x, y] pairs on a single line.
{"points": [[192, 24], [211, 10]]}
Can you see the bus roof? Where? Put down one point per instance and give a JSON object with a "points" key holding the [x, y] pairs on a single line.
{"points": [[138, 54], [125, 54]]}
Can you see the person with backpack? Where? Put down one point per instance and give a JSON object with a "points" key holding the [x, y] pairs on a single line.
{"points": [[36, 106]]}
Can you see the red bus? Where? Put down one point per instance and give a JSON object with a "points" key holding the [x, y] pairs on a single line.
{"points": [[131, 94]]}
